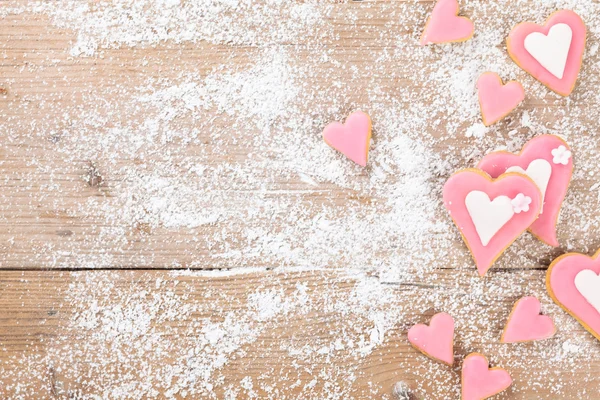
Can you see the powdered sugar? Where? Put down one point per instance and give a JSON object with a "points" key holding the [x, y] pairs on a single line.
{"points": [[216, 159], [132, 22]]}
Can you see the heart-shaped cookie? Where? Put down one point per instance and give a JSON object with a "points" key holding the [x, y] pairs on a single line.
{"points": [[352, 138], [573, 282], [547, 160], [525, 324], [436, 340], [551, 53], [495, 99], [491, 214], [445, 26], [479, 381]]}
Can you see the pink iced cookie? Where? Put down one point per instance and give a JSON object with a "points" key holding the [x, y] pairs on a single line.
{"points": [[497, 100], [479, 381], [445, 26], [547, 160], [525, 324], [352, 138], [573, 282], [551, 53], [491, 214], [436, 340]]}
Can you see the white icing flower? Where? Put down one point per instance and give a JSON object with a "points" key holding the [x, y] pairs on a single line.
{"points": [[521, 203], [561, 155]]}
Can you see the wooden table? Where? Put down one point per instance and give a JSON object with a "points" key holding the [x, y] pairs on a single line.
{"points": [[172, 226]]}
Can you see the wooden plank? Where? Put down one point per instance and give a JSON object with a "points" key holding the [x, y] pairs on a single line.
{"points": [[312, 334], [79, 193]]}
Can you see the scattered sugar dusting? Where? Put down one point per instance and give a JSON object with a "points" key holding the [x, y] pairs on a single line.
{"points": [[209, 155]]}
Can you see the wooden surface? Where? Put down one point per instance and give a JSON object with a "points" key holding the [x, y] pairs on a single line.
{"points": [[72, 329]]}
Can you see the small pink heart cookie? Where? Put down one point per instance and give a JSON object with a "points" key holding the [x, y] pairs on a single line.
{"points": [[445, 26], [547, 159], [525, 324], [479, 381], [497, 100], [436, 340], [352, 138], [573, 282], [551, 53], [491, 214]]}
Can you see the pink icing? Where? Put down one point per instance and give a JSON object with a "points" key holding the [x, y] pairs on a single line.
{"points": [[445, 25], [465, 181], [517, 51], [351, 138], [526, 324], [479, 382], [435, 340], [495, 164], [560, 281], [497, 100]]}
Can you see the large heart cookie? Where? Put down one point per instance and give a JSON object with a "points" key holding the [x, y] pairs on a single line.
{"points": [[525, 324], [573, 282], [495, 99], [352, 138], [491, 214], [436, 340], [479, 381], [547, 160], [551, 53], [445, 26]]}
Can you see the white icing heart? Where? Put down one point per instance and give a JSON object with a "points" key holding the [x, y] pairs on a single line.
{"points": [[588, 284], [539, 171], [488, 216], [551, 51]]}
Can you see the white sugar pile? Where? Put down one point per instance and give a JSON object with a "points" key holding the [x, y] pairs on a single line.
{"points": [[216, 160]]}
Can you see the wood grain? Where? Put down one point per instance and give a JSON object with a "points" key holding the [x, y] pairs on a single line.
{"points": [[61, 311]]}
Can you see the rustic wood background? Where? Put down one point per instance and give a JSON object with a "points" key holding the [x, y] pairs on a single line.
{"points": [[52, 243]]}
